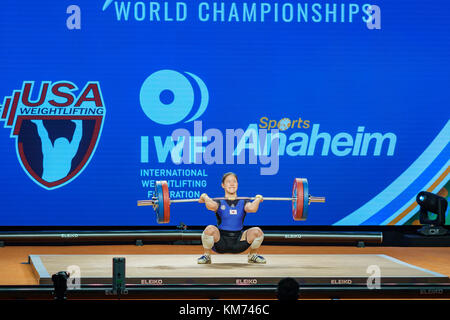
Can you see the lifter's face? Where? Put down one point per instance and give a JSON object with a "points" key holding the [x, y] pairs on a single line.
{"points": [[230, 184]]}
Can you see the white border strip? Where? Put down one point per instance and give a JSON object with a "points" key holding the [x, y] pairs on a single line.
{"points": [[39, 266], [413, 266]]}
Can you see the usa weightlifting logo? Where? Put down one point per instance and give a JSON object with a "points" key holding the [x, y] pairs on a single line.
{"points": [[168, 97], [56, 133]]}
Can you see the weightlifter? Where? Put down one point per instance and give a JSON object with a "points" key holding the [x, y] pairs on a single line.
{"points": [[229, 236]]}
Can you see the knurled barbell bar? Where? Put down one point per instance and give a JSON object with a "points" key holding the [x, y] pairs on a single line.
{"points": [[300, 200]]}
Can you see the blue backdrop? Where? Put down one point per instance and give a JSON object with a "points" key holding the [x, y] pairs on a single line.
{"points": [[371, 93]]}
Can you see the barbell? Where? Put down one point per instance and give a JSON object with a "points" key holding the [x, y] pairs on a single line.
{"points": [[301, 199]]}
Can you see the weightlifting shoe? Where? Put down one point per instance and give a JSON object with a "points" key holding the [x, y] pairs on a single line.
{"points": [[204, 259], [254, 258]]}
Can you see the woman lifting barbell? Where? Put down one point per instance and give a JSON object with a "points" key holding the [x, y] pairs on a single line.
{"points": [[228, 236]]}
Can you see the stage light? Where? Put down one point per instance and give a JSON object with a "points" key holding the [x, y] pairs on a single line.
{"points": [[436, 205]]}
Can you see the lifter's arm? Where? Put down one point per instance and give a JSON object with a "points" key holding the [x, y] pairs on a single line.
{"points": [[254, 205], [77, 135], [43, 134], [209, 203]]}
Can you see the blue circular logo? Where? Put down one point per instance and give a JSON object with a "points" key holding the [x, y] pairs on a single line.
{"points": [[167, 96]]}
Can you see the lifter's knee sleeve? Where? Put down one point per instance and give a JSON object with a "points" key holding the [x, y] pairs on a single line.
{"points": [[207, 241], [257, 242]]}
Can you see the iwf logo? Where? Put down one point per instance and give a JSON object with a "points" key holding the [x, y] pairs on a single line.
{"points": [[56, 131], [168, 96]]}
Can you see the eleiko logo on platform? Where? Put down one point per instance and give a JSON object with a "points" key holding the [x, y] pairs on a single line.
{"points": [[56, 134], [168, 97]]}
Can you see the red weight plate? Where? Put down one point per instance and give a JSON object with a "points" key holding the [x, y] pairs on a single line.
{"points": [[166, 196], [297, 204], [305, 199]]}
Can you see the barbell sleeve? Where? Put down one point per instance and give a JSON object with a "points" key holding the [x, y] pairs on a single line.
{"points": [[316, 199], [142, 203]]}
